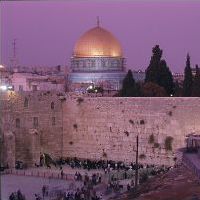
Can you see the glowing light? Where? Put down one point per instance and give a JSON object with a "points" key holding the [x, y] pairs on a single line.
{"points": [[1, 67], [10, 87], [3, 87]]}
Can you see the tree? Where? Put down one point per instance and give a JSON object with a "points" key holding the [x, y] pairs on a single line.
{"points": [[152, 72], [196, 83], [158, 72], [129, 86], [166, 78], [177, 89], [188, 79], [153, 90]]}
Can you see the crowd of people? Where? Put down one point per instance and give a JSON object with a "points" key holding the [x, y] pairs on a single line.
{"points": [[88, 164], [87, 192], [17, 196]]}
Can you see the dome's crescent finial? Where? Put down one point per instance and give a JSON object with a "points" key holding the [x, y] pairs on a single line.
{"points": [[97, 21]]}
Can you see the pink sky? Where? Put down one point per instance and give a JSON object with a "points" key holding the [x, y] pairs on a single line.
{"points": [[46, 31]]}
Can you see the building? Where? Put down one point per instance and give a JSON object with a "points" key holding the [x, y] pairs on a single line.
{"points": [[98, 60], [34, 78]]}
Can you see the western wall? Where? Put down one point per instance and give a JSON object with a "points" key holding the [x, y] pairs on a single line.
{"points": [[97, 128]]}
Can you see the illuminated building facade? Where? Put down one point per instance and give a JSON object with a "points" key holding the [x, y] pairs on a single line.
{"points": [[97, 59]]}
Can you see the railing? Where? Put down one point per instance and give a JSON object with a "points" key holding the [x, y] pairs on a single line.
{"points": [[188, 163], [42, 174]]}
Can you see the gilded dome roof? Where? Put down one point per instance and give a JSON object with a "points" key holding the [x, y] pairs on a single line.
{"points": [[97, 42]]}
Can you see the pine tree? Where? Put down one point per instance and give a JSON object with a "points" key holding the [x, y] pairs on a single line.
{"points": [[158, 71], [128, 87], [196, 83], [188, 79]]}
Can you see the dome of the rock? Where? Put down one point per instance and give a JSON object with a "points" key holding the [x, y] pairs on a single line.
{"points": [[97, 42]]}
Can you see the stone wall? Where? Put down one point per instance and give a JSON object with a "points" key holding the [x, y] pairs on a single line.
{"points": [[106, 128], [31, 140], [99, 128]]}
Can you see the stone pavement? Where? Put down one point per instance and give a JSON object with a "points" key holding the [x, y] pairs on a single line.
{"points": [[30, 181], [31, 185]]}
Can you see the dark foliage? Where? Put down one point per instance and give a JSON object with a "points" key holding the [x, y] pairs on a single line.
{"points": [[158, 72], [129, 88], [188, 79], [196, 83]]}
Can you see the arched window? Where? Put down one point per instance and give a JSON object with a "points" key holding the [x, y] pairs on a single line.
{"points": [[17, 123], [52, 105], [26, 102]]}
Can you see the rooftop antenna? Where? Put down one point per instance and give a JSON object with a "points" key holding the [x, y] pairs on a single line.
{"points": [[14, 57], [97, 21]]}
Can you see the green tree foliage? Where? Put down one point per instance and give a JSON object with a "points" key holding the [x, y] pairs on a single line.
{"points": [[129, 87], [166, 80], [196, 83], [188, 79], [158, 71], [153, 90]]}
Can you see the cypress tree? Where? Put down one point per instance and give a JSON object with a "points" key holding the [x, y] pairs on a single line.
{"points": [[152, 72], [196, 83], [158, 71], [128, 87], [188, 79], [166, 78]]}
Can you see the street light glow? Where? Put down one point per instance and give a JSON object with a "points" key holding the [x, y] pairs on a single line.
{"points": [[6, 87], [3, 87]]}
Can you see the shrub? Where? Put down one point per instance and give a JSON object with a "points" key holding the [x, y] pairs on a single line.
{"points": [[151, 139], [80, 100], [170, 113], [127, 133], [104, 154], [75, 126], [141, 121], [168, 143], [156, 145], [131, 121], [142, 156]]}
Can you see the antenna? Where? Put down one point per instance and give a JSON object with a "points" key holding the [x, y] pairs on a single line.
{"points": [[14, 48], [97, 21], [14, 57]]}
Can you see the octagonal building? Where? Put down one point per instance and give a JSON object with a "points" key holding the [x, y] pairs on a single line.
{"points": [[97, 59]]}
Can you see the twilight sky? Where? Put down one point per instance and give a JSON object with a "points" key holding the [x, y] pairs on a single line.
{"points": [[46, 31]]}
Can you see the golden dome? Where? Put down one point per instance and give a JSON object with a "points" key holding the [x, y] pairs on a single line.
{"points": [[97, 42]]}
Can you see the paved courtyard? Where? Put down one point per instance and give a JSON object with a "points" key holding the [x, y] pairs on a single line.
{"points": [[29, 184], [33, 185]]}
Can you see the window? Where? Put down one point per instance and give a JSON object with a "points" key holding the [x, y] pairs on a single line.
{"points": [[53, 121], [52, 105], [17, 123], [35, 122], [34, 87], [26, 102], [20, 88]]}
